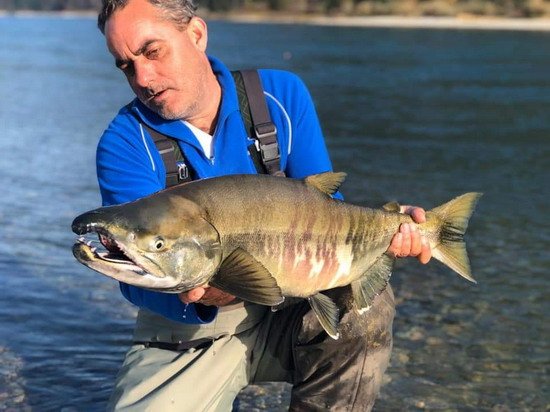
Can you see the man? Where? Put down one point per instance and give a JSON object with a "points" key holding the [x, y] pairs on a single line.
{"points": [[196, 350]]}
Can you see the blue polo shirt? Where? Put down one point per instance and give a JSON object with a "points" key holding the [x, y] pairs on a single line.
{"points": [[129, 165]]}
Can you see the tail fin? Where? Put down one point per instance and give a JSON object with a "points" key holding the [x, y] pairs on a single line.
{"points": [[451, 249]]}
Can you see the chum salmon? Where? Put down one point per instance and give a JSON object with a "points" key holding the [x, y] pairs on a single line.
{"points": [[262, 238]]}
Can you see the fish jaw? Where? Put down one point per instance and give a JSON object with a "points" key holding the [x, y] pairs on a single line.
{"points": [[121, 269], [141, 257]]}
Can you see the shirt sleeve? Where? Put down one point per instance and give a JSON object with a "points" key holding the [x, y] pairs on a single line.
{"points": [[129, 167]]}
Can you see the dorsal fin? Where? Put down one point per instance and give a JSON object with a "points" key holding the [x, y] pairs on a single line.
{"points": [[328, 182], [392, 207]]}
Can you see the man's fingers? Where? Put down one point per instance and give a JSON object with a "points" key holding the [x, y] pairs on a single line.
{"points": [[193, 295], [416, 241], [416, 213], [395, 245], [425, 252], [409, 242], [405, 230], [218, 300], [206, 296], [216, 297]]}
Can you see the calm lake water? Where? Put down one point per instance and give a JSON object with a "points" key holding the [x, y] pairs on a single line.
{"points": [[417, 116]]}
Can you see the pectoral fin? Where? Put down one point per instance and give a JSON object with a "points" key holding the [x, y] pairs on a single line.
{"points": [[327, 312], [243, 276], [372, 283]]}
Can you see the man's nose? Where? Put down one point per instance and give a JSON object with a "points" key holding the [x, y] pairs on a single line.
{"points": [[143, 75]]}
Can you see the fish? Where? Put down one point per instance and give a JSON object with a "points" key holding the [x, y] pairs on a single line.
{"points": [[263, 238]]}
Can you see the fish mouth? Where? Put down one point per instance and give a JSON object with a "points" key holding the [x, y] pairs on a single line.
{"points": [[84, 251], [108, 256]]}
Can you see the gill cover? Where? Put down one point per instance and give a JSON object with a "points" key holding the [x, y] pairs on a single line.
{"points": [[164, 242]]}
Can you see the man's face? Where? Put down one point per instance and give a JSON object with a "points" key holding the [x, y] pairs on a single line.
{"points": [[165, 65]]}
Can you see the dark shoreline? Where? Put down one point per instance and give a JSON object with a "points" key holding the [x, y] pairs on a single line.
{"points": [[466, 22]]}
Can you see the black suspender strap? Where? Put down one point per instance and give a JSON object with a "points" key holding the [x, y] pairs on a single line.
{"points": [[177, 170], [263, 128], [244, 108], [253, 107], [243, 101]]}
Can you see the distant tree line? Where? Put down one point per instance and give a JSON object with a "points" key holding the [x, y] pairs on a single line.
{"points": [[510, 8], [50, 5]]}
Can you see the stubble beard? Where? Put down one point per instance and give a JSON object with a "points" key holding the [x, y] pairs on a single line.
{"points": [[174, 114], [194, 102], [185, 111]]}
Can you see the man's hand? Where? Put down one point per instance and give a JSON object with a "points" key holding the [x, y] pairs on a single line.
{"points": [[206, 295], [408, 241]]}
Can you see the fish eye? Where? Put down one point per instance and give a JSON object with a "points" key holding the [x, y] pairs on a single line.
{"points": [[158, 244]]}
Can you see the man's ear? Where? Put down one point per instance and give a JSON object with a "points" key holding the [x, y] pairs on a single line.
{"points": [[198, 32]]}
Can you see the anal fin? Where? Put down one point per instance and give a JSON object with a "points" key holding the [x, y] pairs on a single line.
{"points": [[327, 312], [243, 276], [372, 283]]}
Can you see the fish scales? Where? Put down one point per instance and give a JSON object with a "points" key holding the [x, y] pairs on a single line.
{"points": [[262, 238], [304, 245], [296, 240]]}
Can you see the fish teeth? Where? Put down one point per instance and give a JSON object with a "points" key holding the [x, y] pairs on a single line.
{"points": [[91, 228]]}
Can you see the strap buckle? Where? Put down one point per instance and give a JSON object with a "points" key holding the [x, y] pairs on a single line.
{"points": [[265, 131], [269, 151], [183, 171], [266, 134]]}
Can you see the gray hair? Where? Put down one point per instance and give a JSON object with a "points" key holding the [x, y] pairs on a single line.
{"points": [[179, 11]]}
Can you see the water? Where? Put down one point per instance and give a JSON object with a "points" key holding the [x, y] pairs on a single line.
{"points": [[414, 115]]}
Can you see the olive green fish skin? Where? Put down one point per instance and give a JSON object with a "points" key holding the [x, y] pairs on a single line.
{"points": [[306, 240]]}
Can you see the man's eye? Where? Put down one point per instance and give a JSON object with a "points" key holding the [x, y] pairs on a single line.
{"points": [[127, 69], [153, 53]]}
